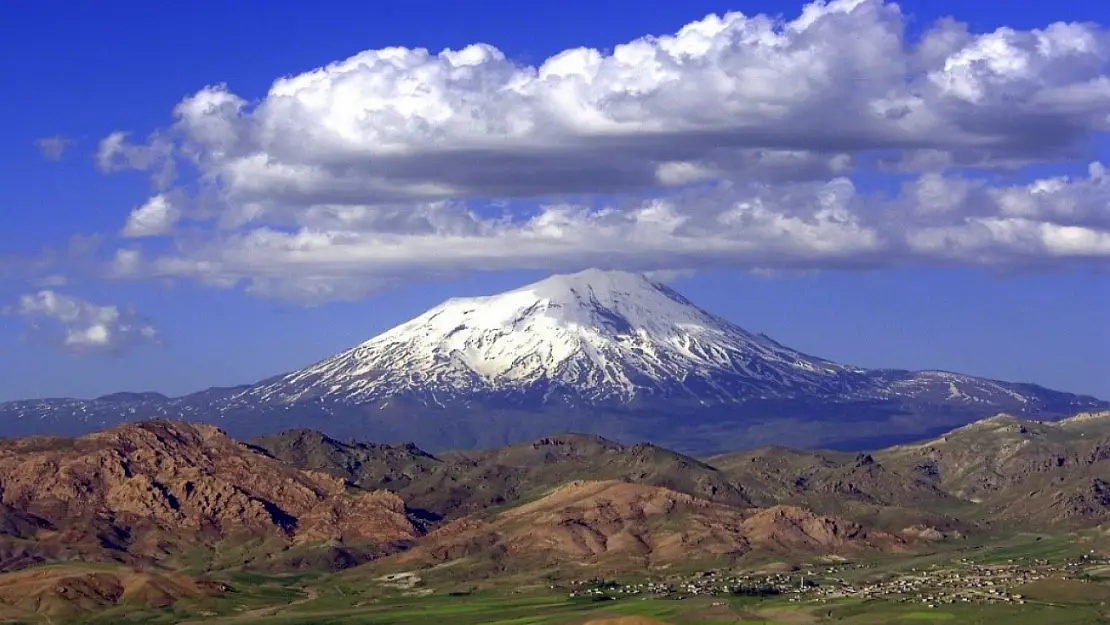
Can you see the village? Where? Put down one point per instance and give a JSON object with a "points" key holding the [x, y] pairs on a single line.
{"points": [[958, 581]]}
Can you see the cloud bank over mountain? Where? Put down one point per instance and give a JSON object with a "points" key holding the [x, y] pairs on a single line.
{"points": [[834, 140]]}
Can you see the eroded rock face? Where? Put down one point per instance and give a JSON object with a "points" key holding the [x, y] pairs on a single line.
{"points": [[187, 479], [606, 519], [1020, 472], [793, 528]]}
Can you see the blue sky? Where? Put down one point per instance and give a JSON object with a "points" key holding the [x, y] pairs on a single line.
{"points": [[80, 73]]}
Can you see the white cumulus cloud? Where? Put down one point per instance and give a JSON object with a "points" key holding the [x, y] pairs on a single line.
{"points": [[345, 252], [730, 94], [83, 326], [116, 153], [738, 140], [155, 217]]}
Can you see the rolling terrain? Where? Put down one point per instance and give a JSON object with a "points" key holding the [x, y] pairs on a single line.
{"points": [[454, 484], [607, 353], [602, 520], [166, 515]]}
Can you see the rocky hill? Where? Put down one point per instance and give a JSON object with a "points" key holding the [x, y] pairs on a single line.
{"points": [[143, 492], [455, 484], [164, 503], [156, 493], [1021, 471], [600, 520], [999, 471]]}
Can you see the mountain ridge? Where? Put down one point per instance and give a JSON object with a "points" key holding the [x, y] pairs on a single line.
{"points": [[609, 353]]}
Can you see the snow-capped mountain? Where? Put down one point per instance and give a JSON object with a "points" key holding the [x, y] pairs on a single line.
{"points": [[608, 352], [595, 337]]}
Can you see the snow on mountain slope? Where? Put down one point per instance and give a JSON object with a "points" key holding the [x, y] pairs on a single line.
{"points": [[608, 353], [602, 336]]}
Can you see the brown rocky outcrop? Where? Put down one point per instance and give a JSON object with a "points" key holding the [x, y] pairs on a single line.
{"points": [[182, 480], [611, 519]]}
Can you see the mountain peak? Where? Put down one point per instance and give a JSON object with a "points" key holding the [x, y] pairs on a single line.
{"points": [[621, 292], [598, 336], [605, 352], [623, 302], [591, 280]]}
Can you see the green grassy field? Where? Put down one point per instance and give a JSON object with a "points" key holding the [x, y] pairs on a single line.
{"points": [[495, 610], [274, 602], [1080, 595]]}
